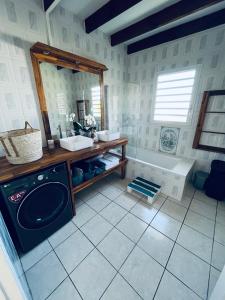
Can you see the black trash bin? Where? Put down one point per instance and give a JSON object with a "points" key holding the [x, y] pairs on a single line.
{"points": [[215, 183]]}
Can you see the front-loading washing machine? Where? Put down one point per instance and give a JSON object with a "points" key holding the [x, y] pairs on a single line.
{"points": [[37, 205]]}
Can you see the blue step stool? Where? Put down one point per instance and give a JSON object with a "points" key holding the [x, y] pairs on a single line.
{"points": [[144, 187]]}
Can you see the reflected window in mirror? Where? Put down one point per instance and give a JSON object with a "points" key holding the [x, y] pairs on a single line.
{"points": [[70, 93]]}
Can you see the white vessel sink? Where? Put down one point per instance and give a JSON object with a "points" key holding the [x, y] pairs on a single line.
{"points": [[107, 136], [75, 143]]}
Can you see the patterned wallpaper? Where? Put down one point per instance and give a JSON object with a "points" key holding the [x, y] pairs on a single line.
{"points": [[68, 34], [130, 79], [22, 23], [205, 50]]}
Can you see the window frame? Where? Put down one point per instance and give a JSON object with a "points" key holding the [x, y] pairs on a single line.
{"points": [[93, 112], [193, 101]]}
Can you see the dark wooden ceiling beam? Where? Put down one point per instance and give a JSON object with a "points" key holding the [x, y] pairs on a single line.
{"points": [[203, 23], [107, 12], [47, 4], [161, 18], [59, 68]]}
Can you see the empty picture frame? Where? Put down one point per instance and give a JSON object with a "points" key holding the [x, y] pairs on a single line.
{"points": [[210, 131]]}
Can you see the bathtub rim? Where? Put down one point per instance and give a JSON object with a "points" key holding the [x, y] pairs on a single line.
{"points": [[184, 174]]}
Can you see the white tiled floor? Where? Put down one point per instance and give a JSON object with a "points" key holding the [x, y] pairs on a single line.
{"points": [[120, 248]]}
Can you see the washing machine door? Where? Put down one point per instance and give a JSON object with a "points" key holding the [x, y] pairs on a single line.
{"points": [[42, 205]]}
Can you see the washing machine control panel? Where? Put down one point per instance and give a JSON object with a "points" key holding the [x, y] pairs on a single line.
{"points": [[40, 177], [15, 191], [17, 197]]}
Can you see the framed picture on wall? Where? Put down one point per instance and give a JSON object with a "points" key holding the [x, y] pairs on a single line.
{"points": [[169, 139]]}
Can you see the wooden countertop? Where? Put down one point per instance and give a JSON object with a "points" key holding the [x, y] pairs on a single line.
{"points": [[8, 171]]}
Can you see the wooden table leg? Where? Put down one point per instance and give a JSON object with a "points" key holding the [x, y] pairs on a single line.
{"points": [[123, 167], [123, 152], [69, 171], [123, 172]]}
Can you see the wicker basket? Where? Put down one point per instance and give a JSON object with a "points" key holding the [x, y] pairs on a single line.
{"points": [[23, 145]]}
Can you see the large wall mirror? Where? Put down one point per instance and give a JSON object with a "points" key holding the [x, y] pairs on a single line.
{"points": [[70, 91]]}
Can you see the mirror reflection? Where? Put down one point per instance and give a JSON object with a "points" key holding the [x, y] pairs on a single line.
{"points": [[73, 101]]}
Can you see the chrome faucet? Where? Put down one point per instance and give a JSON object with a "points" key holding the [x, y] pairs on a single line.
{"points": [[60, 131]]}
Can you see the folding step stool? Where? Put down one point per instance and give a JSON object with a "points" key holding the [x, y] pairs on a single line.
{"points": [[144, 187]]}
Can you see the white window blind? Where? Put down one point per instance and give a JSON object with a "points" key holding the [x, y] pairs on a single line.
{"points": [[60, 100], [96, 104], [173, 96]]}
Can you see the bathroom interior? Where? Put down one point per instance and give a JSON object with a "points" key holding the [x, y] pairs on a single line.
{"points": [[112, 149]]}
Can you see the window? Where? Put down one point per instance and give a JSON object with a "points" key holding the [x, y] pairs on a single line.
{"points": [[60, 100], [174, 95], [96, 102]]}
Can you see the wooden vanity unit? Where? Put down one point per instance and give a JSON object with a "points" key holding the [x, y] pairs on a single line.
{"points": [[49, 60], [9, 172]]}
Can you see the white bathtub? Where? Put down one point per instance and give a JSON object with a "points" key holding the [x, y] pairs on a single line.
{"points": [[171, 172]]}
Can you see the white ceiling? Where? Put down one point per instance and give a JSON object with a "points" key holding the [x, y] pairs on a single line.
{"points": [[84, 8], [135, 14], [186, 19]]}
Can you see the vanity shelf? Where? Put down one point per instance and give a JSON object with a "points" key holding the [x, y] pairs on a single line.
{"points": [[88, 183], [59, 155]]}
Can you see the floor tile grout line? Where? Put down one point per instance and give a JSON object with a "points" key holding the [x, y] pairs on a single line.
{"points": [[68, 274], [103, 238], [214, 231], [180, 246], [31, 294], [202, 201], [52, 248], [94, 247], [67, 277], [198, 231], [185, 223], [39, 259], [184, 285], [176, 202], [214, 220], [168, 213], [193, 254], [127, 211], [172, 252], [64, 270], [117, 271], [135, 244], [212, 238], [101, 208], [75, 288], [114, 226]]}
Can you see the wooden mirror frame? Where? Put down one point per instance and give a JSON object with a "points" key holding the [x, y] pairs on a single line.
{"points": [[43, 53], [201, 119]]}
